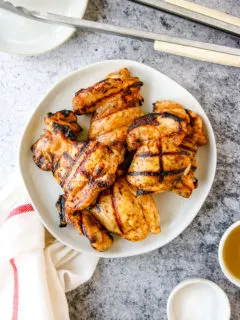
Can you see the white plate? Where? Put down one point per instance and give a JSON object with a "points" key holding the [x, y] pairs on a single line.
{"points": [[176, 212], [19, 35]]}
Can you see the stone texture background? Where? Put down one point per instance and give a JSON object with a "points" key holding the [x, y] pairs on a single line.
{"points": [[138, 287]]}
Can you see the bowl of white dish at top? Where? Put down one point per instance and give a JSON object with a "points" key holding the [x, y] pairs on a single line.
{"points": [[19, 35]]}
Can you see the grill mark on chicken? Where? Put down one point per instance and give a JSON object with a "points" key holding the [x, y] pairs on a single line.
{"points": [[56, 165], [173, 172], [99, 171], [40, 161], [187, 148], [156, 174], [85, 146], [195, 182], [115, 211], [67, 156], [128, 92], [92, 223], [89, 176], [143, 173], [161, 176], [180, 153], [147, 154], [113, 86], [85, 173], [84, 231], [131, 105], [115, 143], [64, 112], [141, 192], [190, 117], [80, 201], [143, 120], [151, 118], [157, 154], [80, 223], [125, 92], [68, 133], [79, 167], [154, 106], [193, 168], [88, 153], [137, 84], [103, 184], [106, 97], [60, 205], [106, 81], [172, 116], [186, 110]]}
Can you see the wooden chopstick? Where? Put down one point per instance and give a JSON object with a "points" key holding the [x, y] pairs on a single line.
{"points": [[212, 13], [198, 53]]}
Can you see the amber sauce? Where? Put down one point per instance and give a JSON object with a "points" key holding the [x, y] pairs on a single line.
{"points": [[231, 252]]}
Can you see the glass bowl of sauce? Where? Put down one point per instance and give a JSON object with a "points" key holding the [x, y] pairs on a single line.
{"points": [[229, 253]]}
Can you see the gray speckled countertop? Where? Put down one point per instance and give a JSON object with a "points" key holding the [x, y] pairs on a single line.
{"points": [[138, 287]]}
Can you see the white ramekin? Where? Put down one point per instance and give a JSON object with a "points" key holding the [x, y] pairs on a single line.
{"points": [[223, 301]]}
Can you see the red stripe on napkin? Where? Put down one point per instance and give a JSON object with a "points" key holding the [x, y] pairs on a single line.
{"points": [[16, 290], [20, 210]]}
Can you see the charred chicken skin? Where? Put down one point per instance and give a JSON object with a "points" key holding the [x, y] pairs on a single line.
{"points": [[115, 103], [166, 142], [122, 213]]}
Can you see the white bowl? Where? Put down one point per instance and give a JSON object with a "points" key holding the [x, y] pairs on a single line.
{"points": [[176, 212], [190, 291], [220, 254], [19, 35]]}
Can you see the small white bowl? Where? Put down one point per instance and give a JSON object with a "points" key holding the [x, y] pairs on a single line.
{"points": [[22, 36], [220, 254], [190, 291]]}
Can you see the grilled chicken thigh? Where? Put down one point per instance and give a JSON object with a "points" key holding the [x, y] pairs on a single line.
{"points": [[169, 125], [166, 142], [195, 132], [116, 103], [87, 225], [83, 169], [121, 212], [85, 100], [58, 139]]}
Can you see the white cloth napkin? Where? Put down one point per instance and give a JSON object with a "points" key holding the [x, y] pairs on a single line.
{"points": [[35, 269]]}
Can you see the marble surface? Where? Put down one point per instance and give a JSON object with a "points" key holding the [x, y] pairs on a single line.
{"points": [[138, 287]]}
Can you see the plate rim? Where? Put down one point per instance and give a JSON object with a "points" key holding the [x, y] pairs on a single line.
{"points": [[149, 248], [69, 34]]}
